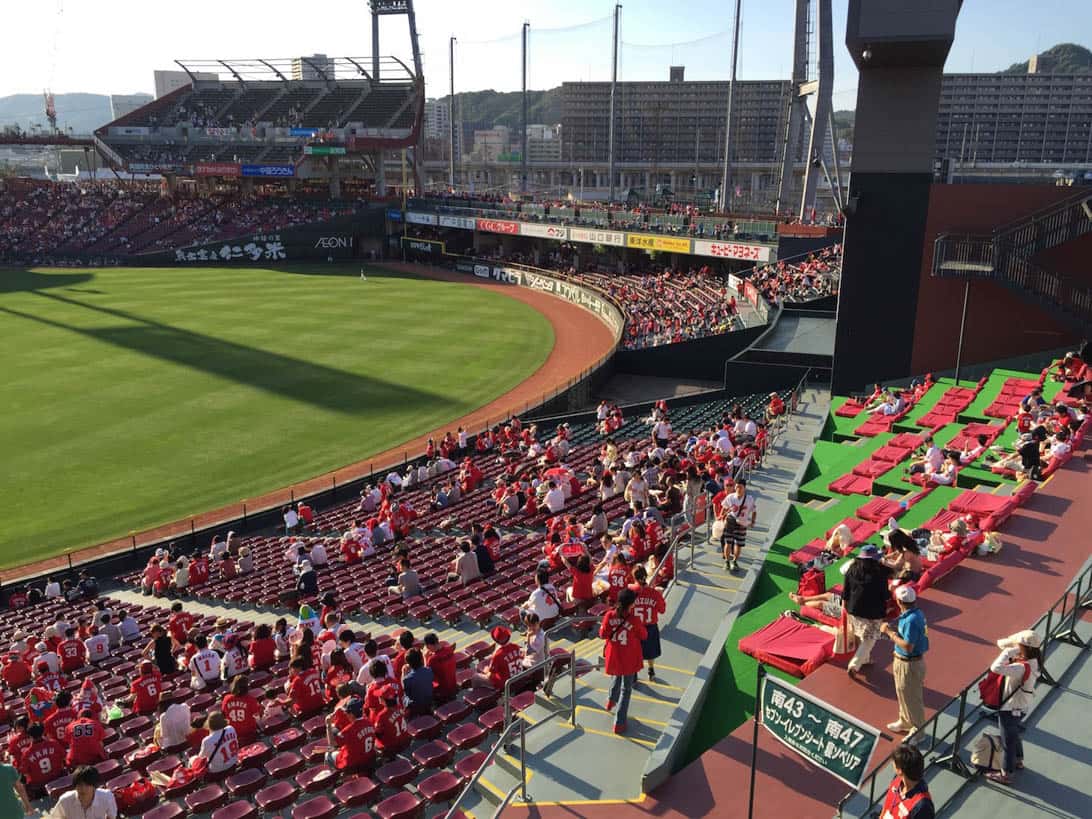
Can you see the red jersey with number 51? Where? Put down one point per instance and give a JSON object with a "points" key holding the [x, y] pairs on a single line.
{"points": [[648, 605]]}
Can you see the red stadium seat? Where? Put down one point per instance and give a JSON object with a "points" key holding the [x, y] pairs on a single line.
{"points": [[205, 799], [402, 805], [168, 810], [276, 796], [236, 810], [396, 773], [440, 787], [318, 808], [357, 791], [316, 778]]}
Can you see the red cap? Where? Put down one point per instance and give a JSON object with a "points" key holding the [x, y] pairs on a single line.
{"points": [[501, 635]]}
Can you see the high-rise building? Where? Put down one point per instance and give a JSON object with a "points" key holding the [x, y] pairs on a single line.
{"points": [[1006, 118], [168, 81], [122, 104], [437, 119], [312, 67], [675, 122]]}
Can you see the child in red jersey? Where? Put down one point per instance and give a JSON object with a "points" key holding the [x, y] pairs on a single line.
{"points": [[62, 715], [391, 731], [354, 737], [507, 661], [179, 625], [440, 657], [648, 605], [622, 631], [263, 648]]}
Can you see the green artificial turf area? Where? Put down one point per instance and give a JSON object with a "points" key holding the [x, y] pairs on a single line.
{"points": [[137, 396]]}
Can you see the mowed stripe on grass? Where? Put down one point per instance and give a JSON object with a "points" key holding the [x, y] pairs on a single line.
{"points": [[138, 396]]}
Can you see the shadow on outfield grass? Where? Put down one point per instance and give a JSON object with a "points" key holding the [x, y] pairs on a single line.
{"points": [[285, 376], [20, 280]]}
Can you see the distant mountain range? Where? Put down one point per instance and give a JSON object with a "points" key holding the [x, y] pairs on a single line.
{"points": [[82, 113], [503, 107], [1064, 58]]}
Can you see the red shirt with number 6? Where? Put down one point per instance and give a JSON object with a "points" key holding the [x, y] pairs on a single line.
{"points": [[623, 637]]}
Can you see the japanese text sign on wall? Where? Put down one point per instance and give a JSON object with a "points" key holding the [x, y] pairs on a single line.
{"points": [[831, 739], [670, 244]]}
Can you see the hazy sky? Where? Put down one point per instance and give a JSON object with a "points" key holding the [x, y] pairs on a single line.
{"points": [[113, 47]]}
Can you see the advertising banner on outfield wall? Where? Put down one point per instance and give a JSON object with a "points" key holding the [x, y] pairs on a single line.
{"points": [[460, 222], [217, 169], [732, 250], [498, 226], [558, 232], [667, 244], [272, 171], [415, 217], [598, 237], [425, 249]]}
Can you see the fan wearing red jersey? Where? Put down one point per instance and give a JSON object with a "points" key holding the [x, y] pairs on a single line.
{"points": [[622, 631], [147, 689], [72, 651], [84, 738], [42, 762], [19, 739], [179, 624], [507, 661], [440, 657], [242, 710], [648, 605], [304, 687], [391, 730], [354, 739], [63, 715]]}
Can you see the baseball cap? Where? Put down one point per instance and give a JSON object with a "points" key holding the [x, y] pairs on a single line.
{"points": [[501, 635], [906, 594], [869, 552]]}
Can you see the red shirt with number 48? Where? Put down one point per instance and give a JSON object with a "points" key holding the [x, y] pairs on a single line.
{"points": [[623, 637]]}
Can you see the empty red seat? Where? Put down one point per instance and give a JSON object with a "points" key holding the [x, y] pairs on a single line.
{"points": [[481, 698], [288, 738], [284, 764], [316, 778], [493, 719], [315, 726], [168, 810], [58, 786], [205, 799], [424, 727], [357, 791], [246, 781], [442, 786], [315, 751], [467, 735], [276, 796], [318, 808], [452, 712], [396, 773], [236, 810], [254, 754], [433, 754], [469, 764], [402, 805]]}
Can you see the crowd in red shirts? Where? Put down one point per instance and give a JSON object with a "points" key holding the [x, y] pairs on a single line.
{"points": [[812, 277]]}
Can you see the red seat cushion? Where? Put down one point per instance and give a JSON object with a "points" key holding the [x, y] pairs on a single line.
{"points": [[852, 485], [879, 510], [424, 727], [284, 764], [169, 810], [469, 764], [872, 468], [891, 454]]}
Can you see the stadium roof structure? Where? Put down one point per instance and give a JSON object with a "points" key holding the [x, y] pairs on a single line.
{"points": [[330, 69]]}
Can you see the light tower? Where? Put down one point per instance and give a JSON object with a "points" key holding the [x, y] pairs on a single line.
{"points": [[385, 8]]}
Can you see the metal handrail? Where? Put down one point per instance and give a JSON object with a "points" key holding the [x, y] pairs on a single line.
{"points": [[1063, 631], [454, 810], [530, 671]]}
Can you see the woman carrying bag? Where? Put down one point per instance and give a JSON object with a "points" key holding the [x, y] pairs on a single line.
{"points": [[623, 632], [1018, 664]]}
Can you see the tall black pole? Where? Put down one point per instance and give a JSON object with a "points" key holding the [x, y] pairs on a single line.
{"points": [[523, 136], [613, 89], [754, 740], [726, 176], [451, 116]]}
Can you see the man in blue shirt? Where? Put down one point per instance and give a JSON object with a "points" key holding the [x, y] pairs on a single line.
{"points": [[417, 682], [911, 640]]}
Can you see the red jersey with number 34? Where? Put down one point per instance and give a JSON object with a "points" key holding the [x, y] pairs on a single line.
{"points": [[623, 643]]}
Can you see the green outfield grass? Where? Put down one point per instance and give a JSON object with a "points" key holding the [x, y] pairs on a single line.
{"points": [[136, 396]]}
